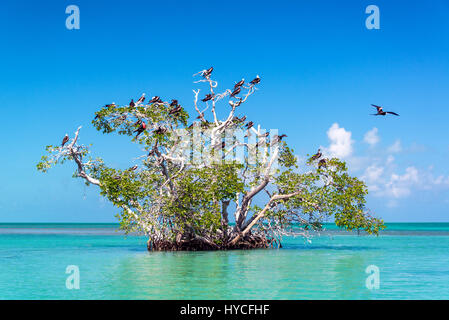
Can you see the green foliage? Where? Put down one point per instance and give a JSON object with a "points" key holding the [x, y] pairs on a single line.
{"points": [[191, 201]]}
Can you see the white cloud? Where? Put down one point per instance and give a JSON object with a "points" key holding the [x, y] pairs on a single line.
{"points": [[396, 147], [372, 174], [341, 142], [372, 137]]}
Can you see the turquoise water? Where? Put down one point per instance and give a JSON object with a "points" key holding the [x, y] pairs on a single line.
{"points": [[413, 260]]}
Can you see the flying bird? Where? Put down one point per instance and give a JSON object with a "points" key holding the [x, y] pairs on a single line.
{"points": [[64, 140], [239, 84], [207, 73], [256, 80], [381, 112], [236, 91], [317, 155], [141, 128], [208, 97]]}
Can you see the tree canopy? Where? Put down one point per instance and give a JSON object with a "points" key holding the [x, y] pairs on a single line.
{"points": [[192, 177]]}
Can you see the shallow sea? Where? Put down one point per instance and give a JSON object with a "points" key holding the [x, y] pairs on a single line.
{"points": [[412, 260]]}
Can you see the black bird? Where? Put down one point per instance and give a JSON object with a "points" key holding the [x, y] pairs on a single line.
{"points": [[317, 155], [160, 130], [133, 168], [200, 116], [381, 112], [208, 97], [279, 138], [175, 110], [113, 105], [322, 163], [132, 104], [223, 145], [141, 99], [141, 128], [256, 80], [239, 84], [174, 103], [64, 140], [155, 99], [236, 91], [249, 125], [207, 73], [96, 116]]}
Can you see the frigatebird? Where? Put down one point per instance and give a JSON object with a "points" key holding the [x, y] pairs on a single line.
{"points": [[208, 97], [141, 128], [256, 80], [142, 98], [239, 84], [174, 103], [132, 104], [322, 163], [249, 125], [175, 110], [236, 91], [279, 138], [155, 99], [64, 140], [317, 155], [200, 116], [381, 112], [160, 130], [206, 74]]}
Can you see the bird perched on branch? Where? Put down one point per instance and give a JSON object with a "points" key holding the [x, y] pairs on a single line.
{"points": [[236, 91], [141, 128], [160, 130], [322, 163], [239, 84], [175, 110], [200, 116], [155, 99], [208, 97], [174, 103], [206, 74], [255, 81], [381, 112], [132, 104], [279, 138], [65, 140], [249, 125], [317, 155], [133, 168], [141, 99]]}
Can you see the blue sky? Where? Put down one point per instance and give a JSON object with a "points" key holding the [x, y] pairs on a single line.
{"points": [[320, 67]]}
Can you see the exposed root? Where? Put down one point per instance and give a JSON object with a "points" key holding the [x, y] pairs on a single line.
{"points": [[200, 244]]}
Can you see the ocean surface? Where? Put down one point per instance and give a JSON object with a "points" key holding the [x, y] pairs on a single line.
{"points": [[410, 261]]}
